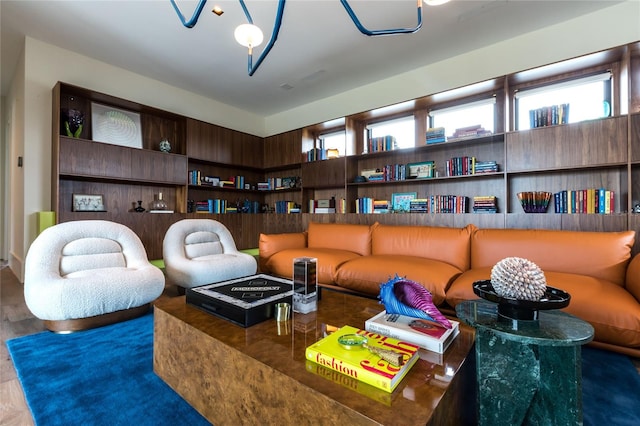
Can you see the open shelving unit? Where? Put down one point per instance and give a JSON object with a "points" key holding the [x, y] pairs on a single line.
{"points": [[601, 153]]}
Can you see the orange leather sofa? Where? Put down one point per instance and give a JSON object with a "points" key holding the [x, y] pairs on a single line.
{"points": [[595, 268]]}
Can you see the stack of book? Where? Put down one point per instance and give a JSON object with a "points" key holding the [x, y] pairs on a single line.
{"points": [[322, 206], [427, 334], [469, 132], [419, 205], [485, 204], [360, 363], [485, 167], [435, 135], [381, 206]]}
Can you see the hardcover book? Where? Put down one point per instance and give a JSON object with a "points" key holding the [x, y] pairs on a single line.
{"points": [[359, 362], [426, 334]]}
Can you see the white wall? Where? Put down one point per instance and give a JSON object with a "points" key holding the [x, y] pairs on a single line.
{"points": [[29, 101]]}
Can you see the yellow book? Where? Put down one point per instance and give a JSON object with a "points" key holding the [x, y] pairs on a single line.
{"points": [[360, 363]]}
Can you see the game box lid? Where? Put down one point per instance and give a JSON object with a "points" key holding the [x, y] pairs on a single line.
{"points": [[244, 301]]}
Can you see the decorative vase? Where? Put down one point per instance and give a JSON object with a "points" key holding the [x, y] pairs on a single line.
{"points": [[139, 208], [73, 122], [165, 146], [159, 203]]}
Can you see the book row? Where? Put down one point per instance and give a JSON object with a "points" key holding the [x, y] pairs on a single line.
{"points": [[591, 201], [380, 143], [463, 166], [549, 116], [196, 177]]}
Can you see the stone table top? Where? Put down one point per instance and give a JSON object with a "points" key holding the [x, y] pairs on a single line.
{"points": [[553, 327]]}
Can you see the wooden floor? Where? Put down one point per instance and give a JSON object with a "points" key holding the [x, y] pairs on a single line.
{"points": [[17, 320]]}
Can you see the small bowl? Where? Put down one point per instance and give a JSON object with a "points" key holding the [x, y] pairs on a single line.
{"points": [[535, 201]]}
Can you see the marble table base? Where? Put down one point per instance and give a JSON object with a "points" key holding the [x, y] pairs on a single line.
{"points": [[527, 384]]}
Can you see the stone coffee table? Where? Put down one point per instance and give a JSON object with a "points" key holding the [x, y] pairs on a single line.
{"points": [[234, 375]]}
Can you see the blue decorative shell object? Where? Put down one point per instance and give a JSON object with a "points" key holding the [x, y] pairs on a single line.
{"points": [[405, 297]]}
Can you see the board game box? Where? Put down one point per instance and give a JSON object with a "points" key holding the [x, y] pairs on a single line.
{"points": [[244, 301]]}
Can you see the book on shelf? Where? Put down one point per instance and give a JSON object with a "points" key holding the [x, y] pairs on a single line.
{"points": [[424, 333], [359, 362]]}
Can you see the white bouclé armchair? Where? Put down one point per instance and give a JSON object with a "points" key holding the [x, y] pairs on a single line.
{"points": [[88, 273], [202, 251]]}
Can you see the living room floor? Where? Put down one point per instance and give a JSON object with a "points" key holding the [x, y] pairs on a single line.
{"points": [[17, 320]]}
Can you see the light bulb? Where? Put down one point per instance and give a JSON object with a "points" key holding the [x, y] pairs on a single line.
{"points": [[248, 35]]}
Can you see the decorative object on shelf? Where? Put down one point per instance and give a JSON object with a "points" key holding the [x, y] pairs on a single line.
{"points": [[521, 310], [158, 203], [401, 201], [73, 122], [88, 203], [250, 35], [139, 207], [409, 298], [518, 278], [115, 126], [424, 169], [534, 201], [636, 208], [165, 146]]}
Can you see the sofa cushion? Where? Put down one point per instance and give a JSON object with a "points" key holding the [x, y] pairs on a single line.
{"points": [[281, 263], [337, 236], [270, 244], [612, 311], [366, 274], [602, 255], [450, 245]]}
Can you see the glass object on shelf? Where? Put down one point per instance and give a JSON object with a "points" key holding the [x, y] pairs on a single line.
{"points": [[139, 207], [159, 203]]}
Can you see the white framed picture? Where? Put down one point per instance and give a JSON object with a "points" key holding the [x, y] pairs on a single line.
{"points": [[88, 203], [115, 126]]}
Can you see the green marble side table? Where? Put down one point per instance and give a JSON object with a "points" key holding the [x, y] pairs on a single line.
{"points": [[528, 372]]}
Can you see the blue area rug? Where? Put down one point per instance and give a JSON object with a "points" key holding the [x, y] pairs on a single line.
{"points": [[105, 377], [610, 389], [97, 377]]}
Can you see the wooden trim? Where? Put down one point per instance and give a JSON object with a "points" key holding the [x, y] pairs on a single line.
{"points": [[79, 324]]}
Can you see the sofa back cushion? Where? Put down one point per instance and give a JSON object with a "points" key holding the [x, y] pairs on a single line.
{"points": [[449, 245], [602, 255], [354, 238]]}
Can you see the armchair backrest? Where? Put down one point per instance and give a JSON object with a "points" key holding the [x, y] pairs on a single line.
{"points": [[83, 245], [194, 238]]}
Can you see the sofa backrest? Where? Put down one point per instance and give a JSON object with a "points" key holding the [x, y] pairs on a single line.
{"points": [[602, 255], [450, 245], [338, 236]]}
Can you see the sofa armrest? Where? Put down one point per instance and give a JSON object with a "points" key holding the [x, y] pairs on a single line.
{"points": [[270, 244], [632, 282]]}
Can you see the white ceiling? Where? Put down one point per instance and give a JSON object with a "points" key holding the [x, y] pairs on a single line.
{"points": [[319, 51]]}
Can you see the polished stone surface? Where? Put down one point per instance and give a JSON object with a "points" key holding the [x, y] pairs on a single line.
{"points": [[234, 375], [528, 372]]}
